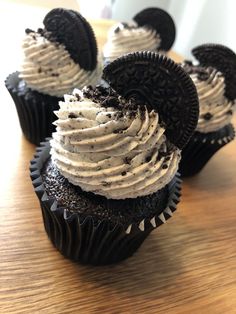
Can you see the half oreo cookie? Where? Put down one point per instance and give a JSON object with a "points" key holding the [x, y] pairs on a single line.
{"points": [[158, 82], [161, 21], [221, 58], [72, 30]]}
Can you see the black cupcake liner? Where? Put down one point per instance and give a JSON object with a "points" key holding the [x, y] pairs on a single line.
{"points": [[84, 240], [202, 147], [35, 110]]}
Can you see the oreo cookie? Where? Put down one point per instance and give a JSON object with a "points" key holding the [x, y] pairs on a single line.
{"points": [[158, 82], [161, 21], [72, 30], [221, 58], [91, 37]]}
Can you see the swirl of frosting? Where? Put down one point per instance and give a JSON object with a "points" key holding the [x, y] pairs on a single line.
{"points": [[49, 69], [110, 152], [215, 109], [126, 38]]}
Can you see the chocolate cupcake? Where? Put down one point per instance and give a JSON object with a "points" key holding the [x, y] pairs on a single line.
{"points": [[109, 175], [152, 29], [215, 80], [57, 59]]}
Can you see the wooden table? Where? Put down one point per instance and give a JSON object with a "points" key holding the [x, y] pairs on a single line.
{"points": [[185, 266]]}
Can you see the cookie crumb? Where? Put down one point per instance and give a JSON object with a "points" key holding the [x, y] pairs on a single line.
{"points": [[207, 116], [72, 115]]}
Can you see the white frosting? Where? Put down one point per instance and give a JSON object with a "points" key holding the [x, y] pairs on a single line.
{"points": [[212, 101], [91, 153], [49, 69], [130, 40]]}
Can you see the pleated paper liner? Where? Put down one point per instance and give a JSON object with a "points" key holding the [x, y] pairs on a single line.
{"points": [[88, 242], [202, 147], [35, 110]]}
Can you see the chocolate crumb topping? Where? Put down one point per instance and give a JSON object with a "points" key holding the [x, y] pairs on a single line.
{"points": [[119, 131], [148, 158], [109, 98], [110, 101], [125, 25], [207, 116], [117, 30], [44, 33], [40, 31], [72, 115], [127, 160], [119, 115], [203, 74], [28, 31], [188, 62], [165, 166], [77, 96]]}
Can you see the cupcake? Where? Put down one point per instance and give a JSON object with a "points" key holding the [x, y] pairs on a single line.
{"points": [[57, 59], [215, 79], [109, 175], [152, 29]]}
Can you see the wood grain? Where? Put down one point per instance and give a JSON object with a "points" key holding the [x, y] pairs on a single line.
{"points": [[185, 266]]}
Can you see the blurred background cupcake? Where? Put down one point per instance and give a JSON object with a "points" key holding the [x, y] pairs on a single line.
{"points": [[215, 79], [152, 29], [57, 59], [112, 175]]}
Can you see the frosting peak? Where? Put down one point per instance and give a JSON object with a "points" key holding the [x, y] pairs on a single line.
{"points": [[49, 68], [124, 38], [215, 109], [112, 152]]}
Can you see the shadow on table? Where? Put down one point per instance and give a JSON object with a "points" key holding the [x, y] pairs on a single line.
{"points": [[217, 175], [154, 266]]}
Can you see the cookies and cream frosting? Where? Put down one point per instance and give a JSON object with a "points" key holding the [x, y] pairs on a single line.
{"points": [[48, 68], [124, 38], [112, 152], [215, 109]]}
